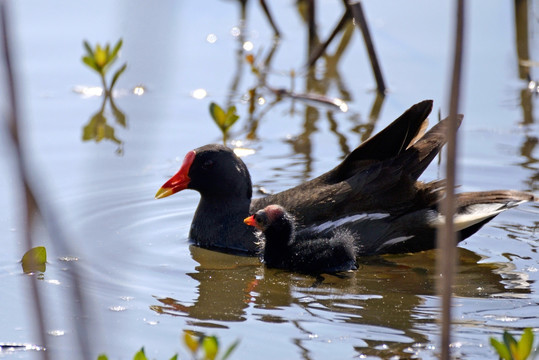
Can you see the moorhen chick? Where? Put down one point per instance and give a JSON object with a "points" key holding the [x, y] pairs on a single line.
{"points": [[374, 192], [282, 248]]}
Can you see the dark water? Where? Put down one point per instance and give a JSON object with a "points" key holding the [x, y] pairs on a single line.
{"points": [[142, 283]]}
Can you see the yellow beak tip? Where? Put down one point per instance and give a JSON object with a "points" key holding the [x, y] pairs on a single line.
{"points": [[163, 192]]}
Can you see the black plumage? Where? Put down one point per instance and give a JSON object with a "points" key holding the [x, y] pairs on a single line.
{"points": [[282, 248], [374, 192]]}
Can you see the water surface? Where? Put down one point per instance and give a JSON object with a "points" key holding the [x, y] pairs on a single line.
{"points": [[143, 284]]}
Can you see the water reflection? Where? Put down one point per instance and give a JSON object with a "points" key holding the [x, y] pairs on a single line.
{"points": [[523, 53], [383, 296], [99, 128], [262, 97], [527, 93], [99, 59]]}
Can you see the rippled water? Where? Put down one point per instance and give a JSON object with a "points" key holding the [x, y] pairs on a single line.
{"points": [[143, 284]]}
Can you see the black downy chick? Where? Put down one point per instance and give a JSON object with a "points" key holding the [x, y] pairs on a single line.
{"points": [[282, 249]]}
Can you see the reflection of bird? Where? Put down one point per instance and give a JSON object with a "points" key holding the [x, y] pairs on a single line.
{"points": [[283, 249], [374, 192]]}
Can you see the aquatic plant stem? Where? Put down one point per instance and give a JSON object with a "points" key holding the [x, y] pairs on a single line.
{"points": [[273, 25], [356, 9], [106, 91], [320, 49], [29, 200], [446, 235]]}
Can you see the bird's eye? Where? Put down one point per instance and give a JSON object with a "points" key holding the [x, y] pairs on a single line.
{"points": [[208, 164], [260, 219]]}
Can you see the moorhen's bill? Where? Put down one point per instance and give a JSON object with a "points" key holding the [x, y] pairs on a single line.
{"points": [[374, 192], [282, 248]]}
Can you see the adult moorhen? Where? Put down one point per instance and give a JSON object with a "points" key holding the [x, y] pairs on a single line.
{"points": [[374, 192], [282, 248]]}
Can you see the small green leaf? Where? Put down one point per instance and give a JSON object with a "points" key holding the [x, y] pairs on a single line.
{"points": [[117, 75], [230, 349], [175, 357], [34, 260], [140, 355], [117, 48], [119, 116], [231, 117], [525, 344], [501, 349], [211, 347], [102, 357], [218, 114], [88, 48], [510, 343], [90, 62]]}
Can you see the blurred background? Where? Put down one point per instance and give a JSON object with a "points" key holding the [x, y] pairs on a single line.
{"points": [[95, 162]]}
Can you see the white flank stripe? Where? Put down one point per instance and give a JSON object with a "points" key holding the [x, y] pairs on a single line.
{"points": [[394, 241], [349, 219]]}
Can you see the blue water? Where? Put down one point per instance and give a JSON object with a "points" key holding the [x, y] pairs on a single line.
{"points": [[142, 284]]}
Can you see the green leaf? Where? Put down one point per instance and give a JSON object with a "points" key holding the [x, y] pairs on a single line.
{"points": [[509, 340], [119, 116], [218, 115], [222, 119], [525, 344], [34, 260], [117, 75], [230, 349], [140, 355], [88, 48], [102, 357], [501, 349], [90, 62], [231, 117], [117, 48], [211, 347], [513, 346], [175, 357]]}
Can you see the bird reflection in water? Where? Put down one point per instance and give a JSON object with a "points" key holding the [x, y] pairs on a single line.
{"points": [[386, 293]]}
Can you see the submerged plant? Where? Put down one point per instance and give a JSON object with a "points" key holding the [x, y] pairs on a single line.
{"points": [[510, 349]]}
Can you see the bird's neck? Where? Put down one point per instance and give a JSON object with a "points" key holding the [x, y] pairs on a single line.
{"points": [[218, 223]]}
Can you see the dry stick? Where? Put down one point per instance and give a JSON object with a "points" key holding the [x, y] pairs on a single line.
{"points": [[276, 31], [311, 16], [320, 49], [28, 196], [446, 235], [52, 225], [359, 16]]}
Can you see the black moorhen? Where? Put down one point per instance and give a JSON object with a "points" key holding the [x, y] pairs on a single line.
{"points": [[282, 248], [374, 192]]}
